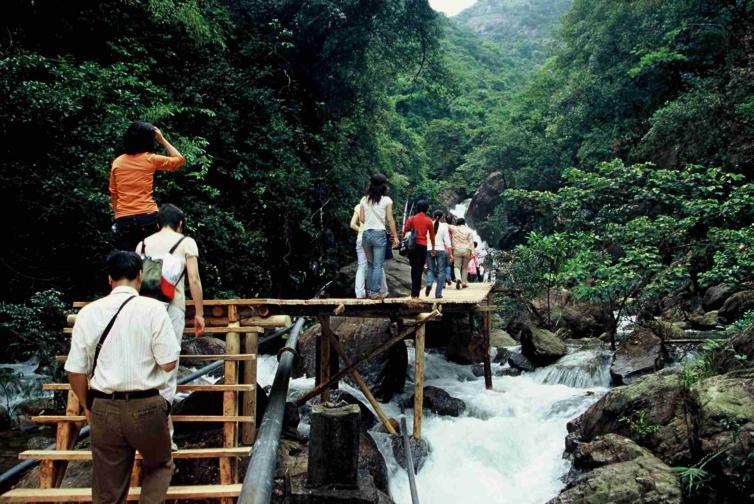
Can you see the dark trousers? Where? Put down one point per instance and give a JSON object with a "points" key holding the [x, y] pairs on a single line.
{"points": [[119, 428], [129, 231], [417, 260]]}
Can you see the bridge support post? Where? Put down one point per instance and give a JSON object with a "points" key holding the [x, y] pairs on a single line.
{"points": [[419, 380], [229, 465], [486, 335]]}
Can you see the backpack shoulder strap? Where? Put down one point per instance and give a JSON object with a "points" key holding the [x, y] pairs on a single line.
{"points": [[176, 245], [106, 332], [143, 246]]}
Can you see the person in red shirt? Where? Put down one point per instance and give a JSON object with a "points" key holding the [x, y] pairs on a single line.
{"points": [[421, 225]]}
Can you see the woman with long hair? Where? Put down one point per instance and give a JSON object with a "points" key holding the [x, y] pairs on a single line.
{"points": [[439, 261], [376, 213], [132, 183], [361, 270]]}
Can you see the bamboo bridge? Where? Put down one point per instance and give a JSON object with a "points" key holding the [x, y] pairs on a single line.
{"points": [[240, 321]]}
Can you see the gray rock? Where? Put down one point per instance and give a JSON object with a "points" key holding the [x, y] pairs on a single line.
{"points": [[500, 338], [541, 346], [205, 345], [639, 354], [715, 296], [519, 361], [645, 480], [439, 402], [736, 305], [420, 450], [486, 198]]}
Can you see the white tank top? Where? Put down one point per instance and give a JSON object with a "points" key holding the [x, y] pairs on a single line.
{"points": [[375, 215]]}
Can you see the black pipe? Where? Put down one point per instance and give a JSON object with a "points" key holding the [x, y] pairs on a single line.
{"points": [[409, 461], [10, 476], [257, 484]]}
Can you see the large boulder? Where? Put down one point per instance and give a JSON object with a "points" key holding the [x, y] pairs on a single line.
{"points": [[605, 450], [650, 410], [385, 374], [743, 343], [541, 346], [439, 402], [397, 274], [486, 198], [715, 296], [736, 305], [579, 319], [500, 338], [711, 420], [624, 473], [205, 345], [639, 354], [707, 320]]}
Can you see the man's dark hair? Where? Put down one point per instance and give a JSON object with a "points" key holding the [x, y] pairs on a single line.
{"points": [[422, 206], [139, 137], [123, 264], [460, 222], [170, 215], [439, 214]]}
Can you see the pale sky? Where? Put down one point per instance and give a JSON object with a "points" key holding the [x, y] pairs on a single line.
{"points": [[451, 7]]}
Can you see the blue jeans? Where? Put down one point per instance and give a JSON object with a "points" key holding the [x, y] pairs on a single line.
{"points": [[437, 267], [374, 242]]}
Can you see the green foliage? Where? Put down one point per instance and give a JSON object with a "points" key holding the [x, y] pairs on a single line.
{"points": [[693, 478], [34, 329], [742, 324], [638, 425]]}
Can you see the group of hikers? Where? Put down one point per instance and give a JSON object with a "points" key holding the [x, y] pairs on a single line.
{"points": [[123, 361], [442, 244]]}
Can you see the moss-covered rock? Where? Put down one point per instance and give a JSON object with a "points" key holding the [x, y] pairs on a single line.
{"points": [[541, 346], [645, 479]]}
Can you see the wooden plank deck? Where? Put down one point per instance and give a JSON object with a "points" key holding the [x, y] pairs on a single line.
{"points": [[453, 300]]}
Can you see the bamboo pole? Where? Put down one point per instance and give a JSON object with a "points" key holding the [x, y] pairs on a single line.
{"points": [[362, 386], [228, 465], [486, 335], [249, 401], [324, 356], [375, 352], [419, 381]]}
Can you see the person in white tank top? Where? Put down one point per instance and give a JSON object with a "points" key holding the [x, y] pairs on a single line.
{"points": [[376, 213]]}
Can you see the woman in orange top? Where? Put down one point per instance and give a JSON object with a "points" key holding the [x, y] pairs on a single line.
{"points": [[132, 183]]}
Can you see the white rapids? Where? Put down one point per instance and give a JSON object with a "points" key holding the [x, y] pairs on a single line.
{"points": [[508, 445]]}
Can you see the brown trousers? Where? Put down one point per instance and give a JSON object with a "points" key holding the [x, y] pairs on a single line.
{"points": [[119, 428]]}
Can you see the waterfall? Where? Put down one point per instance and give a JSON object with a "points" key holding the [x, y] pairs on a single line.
{"points": [[507, 446]]}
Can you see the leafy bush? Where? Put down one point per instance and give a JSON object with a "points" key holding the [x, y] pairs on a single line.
{"points": [[35, 328]]}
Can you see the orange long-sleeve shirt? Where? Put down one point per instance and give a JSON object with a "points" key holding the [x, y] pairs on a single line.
{"points": [[132, 181]]}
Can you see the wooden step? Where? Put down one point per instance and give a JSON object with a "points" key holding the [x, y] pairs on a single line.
{"points": [[85, 494], [189, 453], [217, 357], [50, 419], [181, 388]]}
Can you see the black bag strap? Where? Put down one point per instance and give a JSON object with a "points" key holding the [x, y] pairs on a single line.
{"points": [[176, 244], [173, 250], [143, 246], [106, 332]]}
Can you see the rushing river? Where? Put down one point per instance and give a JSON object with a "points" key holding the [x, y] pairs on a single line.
{"points": [[508, 445]]}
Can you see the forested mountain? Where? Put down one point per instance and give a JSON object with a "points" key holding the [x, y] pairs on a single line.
{"points": [[521, 27]]}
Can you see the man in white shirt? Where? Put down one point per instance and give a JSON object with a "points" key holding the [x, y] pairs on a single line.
{"points": [[137, 350]]}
